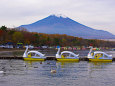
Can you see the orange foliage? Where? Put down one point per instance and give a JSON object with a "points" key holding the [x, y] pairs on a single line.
{"points": [[38, 39]]}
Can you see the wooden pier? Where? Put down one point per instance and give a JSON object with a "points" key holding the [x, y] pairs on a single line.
{"points": [[11, 58], [48, 58]]}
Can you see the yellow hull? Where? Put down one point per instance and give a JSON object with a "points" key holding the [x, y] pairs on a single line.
{"points": [[34, 59], [67, 60], [101, 60]]}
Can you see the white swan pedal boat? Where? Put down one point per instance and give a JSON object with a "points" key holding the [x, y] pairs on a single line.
{"points": [[99, 56], [66, 56], [33, 55]]}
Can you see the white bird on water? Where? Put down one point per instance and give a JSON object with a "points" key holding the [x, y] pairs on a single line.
{"points": [[53, 71], [1, 71]]}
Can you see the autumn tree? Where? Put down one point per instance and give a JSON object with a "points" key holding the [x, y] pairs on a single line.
{"points": [[38, 39], [17, 37]]}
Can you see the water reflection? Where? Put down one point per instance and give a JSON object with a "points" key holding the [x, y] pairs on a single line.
{"points": [[72, 73], [37, 73], [98, 73], [63, 69], [99, 65], [11, 68], [94, 66]]}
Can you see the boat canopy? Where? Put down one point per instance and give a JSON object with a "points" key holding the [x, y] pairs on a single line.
{"points": [[35, 54], [69, 54]]}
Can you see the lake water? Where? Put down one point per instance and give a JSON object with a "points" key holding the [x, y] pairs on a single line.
{"points": [[35, 73]]}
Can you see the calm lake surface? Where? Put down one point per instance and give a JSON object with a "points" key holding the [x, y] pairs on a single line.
{"points": [[35, 73], [31, 73]]}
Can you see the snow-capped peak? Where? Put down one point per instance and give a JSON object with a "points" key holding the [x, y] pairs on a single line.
{"points": [[60, 15]]}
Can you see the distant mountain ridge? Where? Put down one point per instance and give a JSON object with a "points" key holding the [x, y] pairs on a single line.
{"points": [[63, 25]]}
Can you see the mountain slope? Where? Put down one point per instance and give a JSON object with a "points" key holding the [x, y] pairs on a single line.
{"points": [[64, 25]]}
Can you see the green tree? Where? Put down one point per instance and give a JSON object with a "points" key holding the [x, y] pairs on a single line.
{"points": [[56, 41], [4, 28], [17, 37]]}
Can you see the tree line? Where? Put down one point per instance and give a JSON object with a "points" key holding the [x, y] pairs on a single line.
{"points": [[21, 35]]}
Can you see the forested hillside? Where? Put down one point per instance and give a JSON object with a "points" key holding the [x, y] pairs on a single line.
{"points": [[16, 35]]}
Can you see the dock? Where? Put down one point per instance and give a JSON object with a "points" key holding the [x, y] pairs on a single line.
{"points": [[11, 58], [48, 58]]}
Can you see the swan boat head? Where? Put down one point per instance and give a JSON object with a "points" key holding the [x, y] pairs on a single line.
{"points": [[57, 54], [25, 53]]}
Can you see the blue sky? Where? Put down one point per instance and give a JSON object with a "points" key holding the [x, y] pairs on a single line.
{"points": [[98, 14]]}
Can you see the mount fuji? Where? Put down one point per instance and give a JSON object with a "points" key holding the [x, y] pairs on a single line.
{"points": [[54, 24]]}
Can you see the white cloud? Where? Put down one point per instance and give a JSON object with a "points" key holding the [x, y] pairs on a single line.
{"points": [[97, 14]]}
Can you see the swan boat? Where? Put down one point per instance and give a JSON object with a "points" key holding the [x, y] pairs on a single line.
{"points": [[99, 56], [66, 56], [33, 55]]}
